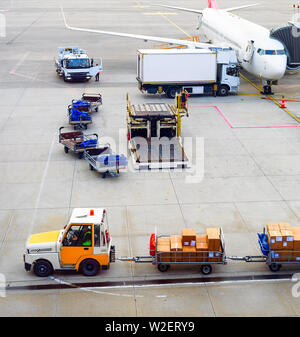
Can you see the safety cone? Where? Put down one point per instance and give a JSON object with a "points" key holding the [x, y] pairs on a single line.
{"points": [[283, 103]]}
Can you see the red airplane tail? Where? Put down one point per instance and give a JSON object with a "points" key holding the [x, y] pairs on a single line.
{"points": [[212, 4]]}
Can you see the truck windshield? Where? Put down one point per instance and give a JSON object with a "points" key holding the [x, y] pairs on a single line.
{"points": [[78, 63]]}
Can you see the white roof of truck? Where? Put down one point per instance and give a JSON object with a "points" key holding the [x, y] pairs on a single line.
{"points": [[175, 51], [83, 215]]}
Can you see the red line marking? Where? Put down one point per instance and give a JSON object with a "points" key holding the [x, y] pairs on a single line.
{"points": [[245, 127]]}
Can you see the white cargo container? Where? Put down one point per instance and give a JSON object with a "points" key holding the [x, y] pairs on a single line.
{"points": [[198, 71]]}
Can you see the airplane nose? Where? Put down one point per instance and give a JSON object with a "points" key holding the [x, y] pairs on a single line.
{"points": [[274, 70]]}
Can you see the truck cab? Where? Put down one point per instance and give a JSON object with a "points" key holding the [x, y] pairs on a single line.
{"points": [[83, 245], [73, 63]]}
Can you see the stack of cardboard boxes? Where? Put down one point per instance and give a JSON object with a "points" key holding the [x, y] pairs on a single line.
{"points": [[285, 241], [189, 247]]}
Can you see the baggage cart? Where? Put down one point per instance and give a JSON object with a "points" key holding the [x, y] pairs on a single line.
{"points": [[82, 120], [103, 160], [77, 142], [164, 259]]}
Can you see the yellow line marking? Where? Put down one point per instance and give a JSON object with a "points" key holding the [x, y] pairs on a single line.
{"points": [[272, 99], [139, 5], [174, 24]]}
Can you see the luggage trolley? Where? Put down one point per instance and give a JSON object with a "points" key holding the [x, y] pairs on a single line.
{"points": [[78, 119], [164, 259], [103, 160], [76, 141], [273, 258]]}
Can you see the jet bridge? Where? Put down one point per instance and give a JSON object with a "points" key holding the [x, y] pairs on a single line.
{"points": [[289, 36]]}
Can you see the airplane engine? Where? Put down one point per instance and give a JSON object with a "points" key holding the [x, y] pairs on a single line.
{"points": [[289, 36]]}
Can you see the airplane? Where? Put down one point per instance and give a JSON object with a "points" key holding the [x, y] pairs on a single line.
{"points": [[258, 53]]}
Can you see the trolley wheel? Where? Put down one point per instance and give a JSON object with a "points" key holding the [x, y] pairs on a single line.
{"points": [[80, 155], [163, 267], [274, 267], [91, 167], [66, 150], [206, 269]]}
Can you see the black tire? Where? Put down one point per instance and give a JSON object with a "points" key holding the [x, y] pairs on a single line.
{"points": [[64, 77], [206, 269], [96, 110], [223, 90], [91, 168], [274, 267], [42, 268], [104, 175], [80, 155], [89, 267], [163, 267], [66, 150], [171, 91]]}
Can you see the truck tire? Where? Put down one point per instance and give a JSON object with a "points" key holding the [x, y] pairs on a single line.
{"points": [[206, 269], [274, 267], [89, 267], [42, 268], [223, 90], [163, 267], [171, 91]]}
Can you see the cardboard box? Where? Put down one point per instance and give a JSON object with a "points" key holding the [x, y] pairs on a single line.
{"points": [[201, 238], [213, 239], [215, 256], [295, 230], [176, 243], [284, 256], [272, 227], [188, 237], [189, 254], [296, 243], [284, 226], [163, 250], [275, 240], [176, 248], [287, 239], [201, 251]]}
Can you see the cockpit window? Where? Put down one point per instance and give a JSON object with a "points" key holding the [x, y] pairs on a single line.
{"points": [[271, 52]]}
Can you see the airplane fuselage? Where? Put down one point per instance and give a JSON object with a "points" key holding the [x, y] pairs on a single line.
{"points": [[265, 58]]}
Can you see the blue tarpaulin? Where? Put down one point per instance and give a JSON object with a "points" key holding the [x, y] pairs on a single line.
{"points": [[112, 160], [81, 104], [263, 243], [89, 143], [77, 115]]}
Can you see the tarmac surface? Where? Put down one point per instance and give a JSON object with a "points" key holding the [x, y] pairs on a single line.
{"points": [[250, 158]]}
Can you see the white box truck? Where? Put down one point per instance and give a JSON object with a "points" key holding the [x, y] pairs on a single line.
{"points": [[198, 71]]}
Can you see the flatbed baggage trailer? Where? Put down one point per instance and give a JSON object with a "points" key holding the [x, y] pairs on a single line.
{"points": [[104, 161], [81, 122], [77, 141], [164, 259], [273, 258], [88, 103]]}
